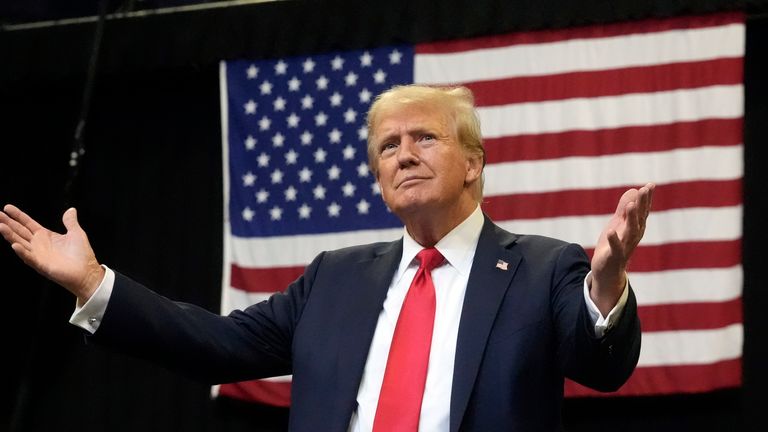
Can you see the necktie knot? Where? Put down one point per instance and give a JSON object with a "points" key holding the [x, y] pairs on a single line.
{"points": [[430, 258]]}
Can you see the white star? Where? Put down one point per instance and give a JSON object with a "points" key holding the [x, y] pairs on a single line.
{"points": [[366, 59], [305, 175], [264, 123], [261, 196], [266, 87], [362, 133], [375, 189], [395, 56], [252, 72], [293, 84], [379, 76], [350, 115], [322, 82], [348, 189], [291, 157], [250, 107], [290, 193], [334, 136], [281, 67], [363, 206], [293, 120], [263, 159], [250, 142], [362, 170], [279, 104], [365, 96], [350, 79], [320, 155], [335, 99], [277, 176], [349, 152], [337, 63], [306, 102], [306, 138], [278, 140], [321, 119], [319, 192], [308, 65], [304, 211], [249, 179], [248, 214], [275, 213], [334, 210], [333, 173]]}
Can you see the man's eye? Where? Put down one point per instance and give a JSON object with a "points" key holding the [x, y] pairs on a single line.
{"points": [[427, 137], [388, 147]]}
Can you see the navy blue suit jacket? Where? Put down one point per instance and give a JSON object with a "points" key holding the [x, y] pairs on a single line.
{"points": [[522, 330]]}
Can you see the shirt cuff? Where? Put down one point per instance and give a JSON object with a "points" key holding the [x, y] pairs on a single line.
{"points": [[601, 323], [88, 317]]}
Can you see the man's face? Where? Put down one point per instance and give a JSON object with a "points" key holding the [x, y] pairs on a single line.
{"points": [[421, 165]]}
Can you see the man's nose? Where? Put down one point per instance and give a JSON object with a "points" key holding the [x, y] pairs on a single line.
{"points": [[407, 152]]}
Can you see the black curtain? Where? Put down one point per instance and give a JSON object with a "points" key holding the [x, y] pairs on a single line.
{"points": [[149, 194]]}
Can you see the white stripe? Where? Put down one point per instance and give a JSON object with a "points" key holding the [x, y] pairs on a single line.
{"points": [[680, 225], [690, 347], [572, 173], [641, 109], [669, 226], [581, 55], [687, 286], [239, 299]]}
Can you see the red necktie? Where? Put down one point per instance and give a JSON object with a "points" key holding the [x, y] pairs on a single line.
{"points": [[406, 373]]}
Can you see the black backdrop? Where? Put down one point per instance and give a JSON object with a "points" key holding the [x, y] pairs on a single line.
{"points": [[149, 194]]}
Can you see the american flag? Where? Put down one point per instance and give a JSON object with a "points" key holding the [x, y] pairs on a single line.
{"points": [[570, 119]]}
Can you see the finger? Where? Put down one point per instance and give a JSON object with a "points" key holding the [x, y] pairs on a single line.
{"points": [[69, 218], [615, 242], [25, 255], [16, 227], [634, 224], [11, 237], [21, 217]]}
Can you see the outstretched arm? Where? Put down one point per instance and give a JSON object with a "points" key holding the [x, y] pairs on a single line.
{"points": [[616, 244], [66, 259]]}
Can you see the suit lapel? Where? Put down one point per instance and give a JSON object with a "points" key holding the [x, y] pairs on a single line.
{"points": [[488, 282]]}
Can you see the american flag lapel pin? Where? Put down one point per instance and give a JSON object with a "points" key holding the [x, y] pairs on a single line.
{"points": [[501, 264]]}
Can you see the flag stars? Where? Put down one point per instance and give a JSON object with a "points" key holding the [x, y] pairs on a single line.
{"points": [[265, 123], [293, 120], [395, 56], [250, 107], [281, 68], [363, 170], [290, 193], [363, 206], [334, 173], [319, 192], [266, 87], [263, 160], [334, 136], [375, 188], [294, 84], [291, 157], [278, 140], [308, 66], [252, 72], [365, 96], [262, 196], [350, 79], [348, 189], [249, 179], [349, 152], [322, 83], [306, 138], [305, 175], [362, 133], [337, 63], [321, 119], [336, 99], [307, 102], [250, 143], [248, 214], [277, 176], [350, 115], [334, 210], [379, 77], [304, 211], [320, 155], [279, 104], [366, 59], [275, 213]]}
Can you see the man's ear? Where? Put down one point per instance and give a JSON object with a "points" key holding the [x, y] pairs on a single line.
{"points": [[474, 167]]}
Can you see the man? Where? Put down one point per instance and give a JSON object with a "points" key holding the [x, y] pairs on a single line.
{"points": [[478, 340]]}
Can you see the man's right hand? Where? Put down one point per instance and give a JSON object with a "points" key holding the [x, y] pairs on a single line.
{"points": [[66, 259]]}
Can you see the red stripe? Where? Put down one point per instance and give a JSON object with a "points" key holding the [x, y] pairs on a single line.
{"points": [[647, 79], [263, 280], [584, 202], [587, 32], [671, 379], [713, 132], [266, 392], [690, 316], [688, 255]]}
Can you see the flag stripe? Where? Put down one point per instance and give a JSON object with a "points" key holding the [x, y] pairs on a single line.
{"points": [[683, 347], [690, 255], [701, 133], [621, 51], [276, 393], [710, 284], [690, 316]]}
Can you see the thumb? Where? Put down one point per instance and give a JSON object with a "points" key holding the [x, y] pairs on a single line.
{"points": [[70, 219]]}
